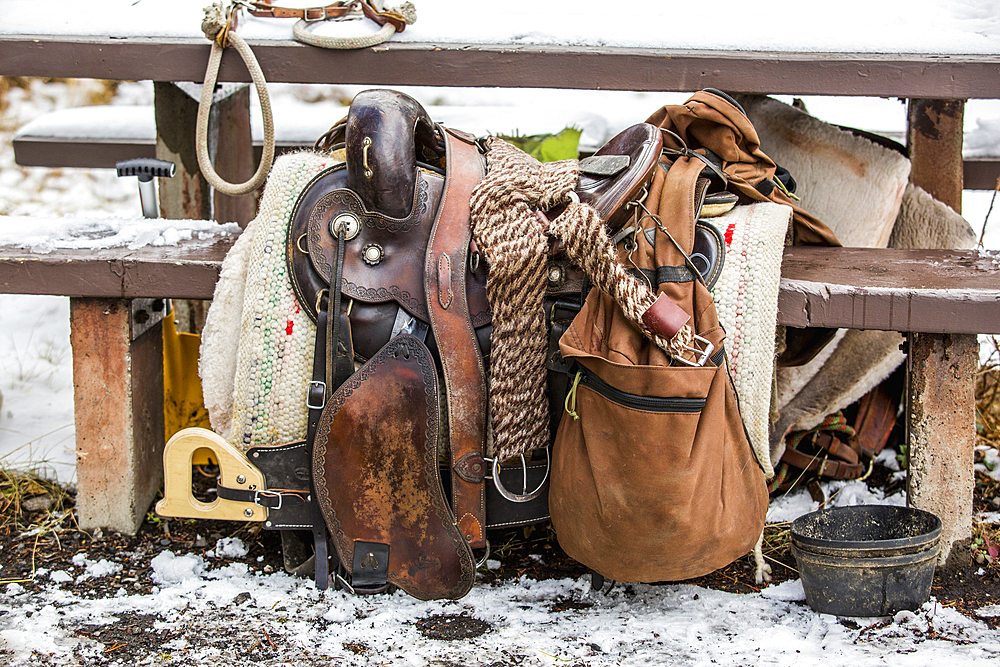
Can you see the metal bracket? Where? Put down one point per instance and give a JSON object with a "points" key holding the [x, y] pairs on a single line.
{"points": [[145, 315]]}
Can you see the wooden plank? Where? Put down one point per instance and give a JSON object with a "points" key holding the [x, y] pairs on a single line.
{"points": [[893, 290], [505, 65], [186, 271], [980, 173], [955, 291]]}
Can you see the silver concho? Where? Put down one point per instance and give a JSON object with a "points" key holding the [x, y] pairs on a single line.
{"points": [[349, 223], [372, 254]]}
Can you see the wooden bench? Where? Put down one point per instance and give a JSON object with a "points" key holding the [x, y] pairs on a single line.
{"points": [[940, 297], [79, 137]]}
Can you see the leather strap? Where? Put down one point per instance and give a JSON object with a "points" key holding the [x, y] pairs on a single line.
{"points": [[264, 9], [271, 498], [821, 464], [339, 9], [875, 420], [846, 451], [464, 375]]}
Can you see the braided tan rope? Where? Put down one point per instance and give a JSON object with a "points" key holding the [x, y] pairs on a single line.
{"points": [[216, 28], [515, 243], [329, 42], [299, 30]]}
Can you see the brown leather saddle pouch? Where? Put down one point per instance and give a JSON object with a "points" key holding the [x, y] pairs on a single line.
{"points": [[375, 470]]}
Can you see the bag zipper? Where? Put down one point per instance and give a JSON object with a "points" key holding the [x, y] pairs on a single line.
{"points": [[647, 403]]}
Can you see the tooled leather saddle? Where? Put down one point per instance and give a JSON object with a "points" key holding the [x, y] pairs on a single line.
{"points": [[380, 254]]}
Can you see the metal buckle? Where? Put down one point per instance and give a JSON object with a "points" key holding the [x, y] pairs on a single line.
{"points": [[267, 494], [305, 14], [322, 386], [341, 581], [525, 495], [704, 355]]}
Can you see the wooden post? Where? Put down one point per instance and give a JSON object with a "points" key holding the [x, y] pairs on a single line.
{"points": [[233, 155], [941, 367], [188, 195], [118, 405]]}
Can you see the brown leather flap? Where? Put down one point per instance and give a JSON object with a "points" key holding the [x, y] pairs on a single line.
{"points": [[375, 469]]}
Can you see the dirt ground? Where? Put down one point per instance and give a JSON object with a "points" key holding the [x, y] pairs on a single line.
{"points": [[965, 586]]}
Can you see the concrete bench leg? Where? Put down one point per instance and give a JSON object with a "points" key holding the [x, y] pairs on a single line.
{"points": [[118, 401], [941, 427], [941, 400]]}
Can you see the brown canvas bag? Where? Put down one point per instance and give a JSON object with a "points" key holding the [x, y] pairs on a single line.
{"points": [[715, 126], [653, 476]]}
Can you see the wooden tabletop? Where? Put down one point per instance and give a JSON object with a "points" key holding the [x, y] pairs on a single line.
{"points": [[598, 68], [645, 47]]}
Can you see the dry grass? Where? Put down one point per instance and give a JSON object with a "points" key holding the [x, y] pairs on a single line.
{"points": [[988, 398], [31, 502], [99, 91]]}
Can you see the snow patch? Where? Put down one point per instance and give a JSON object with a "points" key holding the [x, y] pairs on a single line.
{"points": [[168, 568]]}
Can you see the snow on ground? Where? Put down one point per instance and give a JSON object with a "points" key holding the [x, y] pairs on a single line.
{"points": [[630, 625], [532, 623]]}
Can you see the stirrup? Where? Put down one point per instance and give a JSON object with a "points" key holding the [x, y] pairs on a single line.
{"points": [[525, 495]]}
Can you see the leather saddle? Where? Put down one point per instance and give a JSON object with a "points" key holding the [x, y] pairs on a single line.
{"points": [[381, 256]]}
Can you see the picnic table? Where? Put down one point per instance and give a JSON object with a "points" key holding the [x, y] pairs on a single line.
{"points": [[857, 49]]}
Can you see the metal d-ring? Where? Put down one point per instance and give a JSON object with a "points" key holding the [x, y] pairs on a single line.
{"points": [[482, 561], [525, 495], [298, 244]]}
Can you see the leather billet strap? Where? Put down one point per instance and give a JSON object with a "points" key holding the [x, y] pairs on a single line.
{"points": [[334, 10], [271, 498], [264, 9], [464, 375]]}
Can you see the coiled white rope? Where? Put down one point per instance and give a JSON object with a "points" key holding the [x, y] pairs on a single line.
{"points": [[216, 22], [407, 11]]}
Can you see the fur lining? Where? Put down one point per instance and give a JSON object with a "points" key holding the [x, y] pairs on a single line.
{"points": [[220, 337]]}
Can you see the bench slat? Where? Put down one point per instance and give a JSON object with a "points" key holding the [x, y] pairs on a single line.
{"points": [[937, 291], [73, 137], [514, 66], [186, 271]]}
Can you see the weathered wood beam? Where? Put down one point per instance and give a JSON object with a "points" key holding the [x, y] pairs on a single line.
{"points": [[941, 404], [233, 154], [863, 288], [188, 195], [507, 65]]}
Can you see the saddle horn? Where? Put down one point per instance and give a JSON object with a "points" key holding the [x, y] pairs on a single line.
{"points": [[384, 129]]}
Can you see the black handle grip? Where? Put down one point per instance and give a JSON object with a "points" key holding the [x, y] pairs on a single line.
{"points": [[146, 168]]}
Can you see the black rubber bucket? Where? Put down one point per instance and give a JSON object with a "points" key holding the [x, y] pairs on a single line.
{"points": [[866, 560]]}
